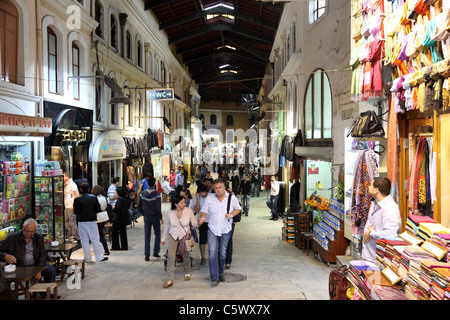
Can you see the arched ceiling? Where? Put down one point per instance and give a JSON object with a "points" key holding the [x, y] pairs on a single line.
{"points": [[225, 44]]}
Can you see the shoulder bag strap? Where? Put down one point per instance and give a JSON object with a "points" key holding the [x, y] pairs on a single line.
{"points": [[229, 202]]}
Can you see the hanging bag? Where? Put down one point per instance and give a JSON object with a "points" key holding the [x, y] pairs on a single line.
{"points": [[188, 239], [236, 218], [367, 125]]}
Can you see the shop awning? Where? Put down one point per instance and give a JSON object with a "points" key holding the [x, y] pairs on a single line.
{"points": [[108, 146], [315, 153]]}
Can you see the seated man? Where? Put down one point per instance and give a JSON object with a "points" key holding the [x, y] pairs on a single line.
{"points": [[26, 248], [166, 188]]}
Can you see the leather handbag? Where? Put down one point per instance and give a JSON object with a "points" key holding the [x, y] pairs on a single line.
{"points": [[338, 284], [367, 125]]}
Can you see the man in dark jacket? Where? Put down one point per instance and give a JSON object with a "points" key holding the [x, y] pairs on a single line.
{"points": [[86, 207], [245, 189], [26, 248], [150, 207]]}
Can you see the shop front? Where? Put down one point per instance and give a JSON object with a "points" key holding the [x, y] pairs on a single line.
{"points": [[106, 154], [70, 139], [22, 137]]}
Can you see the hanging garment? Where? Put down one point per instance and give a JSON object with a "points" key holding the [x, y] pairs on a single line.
{"points": [[366, 168], [442, 32]]}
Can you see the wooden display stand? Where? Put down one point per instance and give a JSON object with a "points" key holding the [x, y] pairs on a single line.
{"points": [[336, 247]]}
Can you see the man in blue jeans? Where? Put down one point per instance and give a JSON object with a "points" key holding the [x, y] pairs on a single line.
{"points": [[219, 227], [272, 203], [150, 207]]}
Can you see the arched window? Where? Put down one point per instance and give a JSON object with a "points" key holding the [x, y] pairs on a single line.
{"points": [[318, 107], [114, 32], [76, 70], [230, 120], [52, 61], [128, 44], [213, 120], [9, 41], [202, 118], [98, 15], [139, 53]]}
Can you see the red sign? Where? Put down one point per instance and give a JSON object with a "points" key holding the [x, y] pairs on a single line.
{"points": [[19, 125]]}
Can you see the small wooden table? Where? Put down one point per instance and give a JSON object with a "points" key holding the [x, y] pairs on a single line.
{"points": [[22, 277], [63, 252]]}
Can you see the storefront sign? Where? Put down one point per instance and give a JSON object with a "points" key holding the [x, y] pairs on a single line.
{"points": [[19, 125], [160, 94], [108, 146]]}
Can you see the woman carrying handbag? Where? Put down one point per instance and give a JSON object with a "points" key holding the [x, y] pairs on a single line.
{"points": [[177, 231], [102, 216]]}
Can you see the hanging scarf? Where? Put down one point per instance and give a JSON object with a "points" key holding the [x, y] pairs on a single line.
{"points": [[413, 176]]}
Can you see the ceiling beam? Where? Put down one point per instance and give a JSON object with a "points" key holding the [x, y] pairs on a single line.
{"points": [[218, 10], [151, 4], [221, 26]]}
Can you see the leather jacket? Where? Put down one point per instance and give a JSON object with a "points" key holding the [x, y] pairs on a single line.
{"points": [[14, 245], [86, 206]]}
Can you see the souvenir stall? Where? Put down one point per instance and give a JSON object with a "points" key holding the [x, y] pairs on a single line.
{"points": [[22, 139], [409, 42]]}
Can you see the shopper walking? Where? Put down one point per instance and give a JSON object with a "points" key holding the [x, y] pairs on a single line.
{"points": [[70, 193], [177, 229], [199, 201], [100, 193], [273, 202], [256, 183], [119, 231], [85, 207], [244, 190], [384, 220], [219, 227], [150, 207]]}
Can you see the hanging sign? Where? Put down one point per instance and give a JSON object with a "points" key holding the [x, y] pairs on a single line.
{"points": [[108, 146], [160, 94]]}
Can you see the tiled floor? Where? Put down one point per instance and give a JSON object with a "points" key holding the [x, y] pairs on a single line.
{"points": [[271, 268]]}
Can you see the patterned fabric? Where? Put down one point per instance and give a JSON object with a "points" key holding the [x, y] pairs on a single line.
{"points": [[366, 168]]}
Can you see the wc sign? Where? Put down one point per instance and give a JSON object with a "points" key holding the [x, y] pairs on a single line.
{"points": [[160, 94]]}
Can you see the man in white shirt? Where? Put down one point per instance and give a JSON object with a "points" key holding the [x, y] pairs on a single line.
{"points": [[384, 220], [111, 195], [70, 193], [219, 227], [166, 188], [272, 203]]}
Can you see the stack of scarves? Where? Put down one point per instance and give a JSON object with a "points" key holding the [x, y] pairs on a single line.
{"points": [[366, 168], [424, 89], [422, 182]]}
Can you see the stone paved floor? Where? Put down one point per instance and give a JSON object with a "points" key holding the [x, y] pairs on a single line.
{"points": [[272, 269]]}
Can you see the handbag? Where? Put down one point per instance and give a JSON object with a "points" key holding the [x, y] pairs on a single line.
{"points": [[368, 124], [102, 216], [189, 241], [338, 284], [236, 218], [112, 215]]}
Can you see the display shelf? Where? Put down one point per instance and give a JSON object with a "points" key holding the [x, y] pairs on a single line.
{"points": [[329, 240], [49, 207]]}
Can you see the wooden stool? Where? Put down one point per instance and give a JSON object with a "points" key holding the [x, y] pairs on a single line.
{"points": [[67, 263], [306, 239], [42, 287]]}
